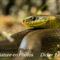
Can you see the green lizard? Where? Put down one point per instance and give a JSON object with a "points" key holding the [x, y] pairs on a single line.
{"points": [[41, 22]]}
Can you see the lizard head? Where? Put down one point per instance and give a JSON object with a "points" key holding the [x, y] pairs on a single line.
{"points": [[37, 21]]}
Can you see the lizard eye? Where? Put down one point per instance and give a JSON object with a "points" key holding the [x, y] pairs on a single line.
{"points": [[33, 18]]}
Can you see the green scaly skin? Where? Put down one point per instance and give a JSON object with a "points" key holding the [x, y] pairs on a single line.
{"points": [[42, 22]]}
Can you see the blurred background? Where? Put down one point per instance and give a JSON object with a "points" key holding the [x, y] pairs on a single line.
{"points": [[29, 7]]}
